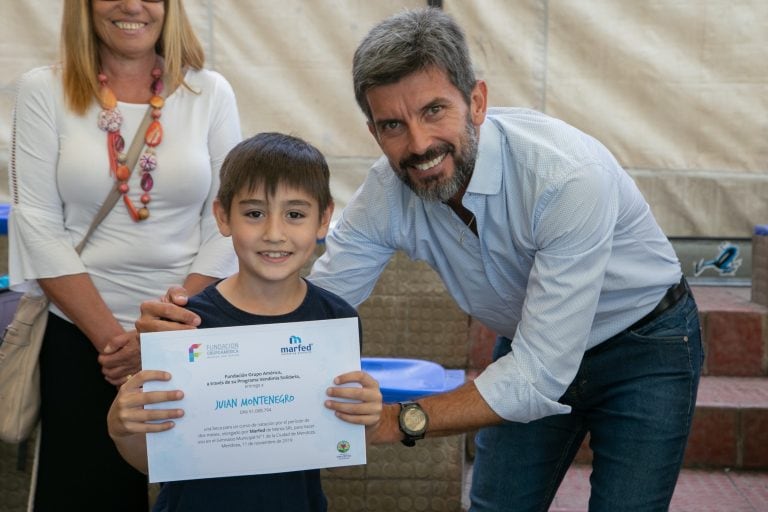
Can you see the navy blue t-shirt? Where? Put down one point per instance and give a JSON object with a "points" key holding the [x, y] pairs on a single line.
{"points": [[299, 491]]}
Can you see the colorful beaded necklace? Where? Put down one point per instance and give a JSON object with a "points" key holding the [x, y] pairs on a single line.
{"points": [[110, 120]]}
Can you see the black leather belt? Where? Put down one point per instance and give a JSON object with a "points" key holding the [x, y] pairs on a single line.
{"points": [[671, 298]]}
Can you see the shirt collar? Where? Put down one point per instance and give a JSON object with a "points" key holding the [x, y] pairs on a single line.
{"points": [[486, 178]]}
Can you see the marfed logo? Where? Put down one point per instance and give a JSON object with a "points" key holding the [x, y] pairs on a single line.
{"points": [[295, 346], [193, 354]]}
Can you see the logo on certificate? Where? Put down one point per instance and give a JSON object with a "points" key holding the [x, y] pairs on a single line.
{"points": [[296, 346], [193, 353], [343, 446], [213, 350]]}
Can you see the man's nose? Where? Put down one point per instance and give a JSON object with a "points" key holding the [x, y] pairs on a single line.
{"points": [[419, 139]]}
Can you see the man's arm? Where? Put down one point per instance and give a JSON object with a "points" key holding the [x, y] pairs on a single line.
{"points": [[457, 411]]}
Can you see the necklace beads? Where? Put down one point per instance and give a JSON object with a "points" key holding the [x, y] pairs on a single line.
{"points": [[110, 120]]}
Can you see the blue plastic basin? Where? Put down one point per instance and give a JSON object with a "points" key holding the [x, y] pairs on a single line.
{"points": [[408, 379], [5, 209]]}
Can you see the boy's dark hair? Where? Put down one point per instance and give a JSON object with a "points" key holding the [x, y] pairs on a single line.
{"points": [[269, 159], [407, 42]]}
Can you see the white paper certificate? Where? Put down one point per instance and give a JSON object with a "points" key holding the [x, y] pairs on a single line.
{"points": [[253, 399]]}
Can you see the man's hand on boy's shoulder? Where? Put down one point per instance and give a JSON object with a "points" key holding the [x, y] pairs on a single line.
{"points": [[168, 313]]}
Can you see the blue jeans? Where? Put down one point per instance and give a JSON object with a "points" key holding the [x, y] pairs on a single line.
{"points": [[634, 393]]}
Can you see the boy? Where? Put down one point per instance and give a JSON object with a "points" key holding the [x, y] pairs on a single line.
{"points": [[275, 203]]}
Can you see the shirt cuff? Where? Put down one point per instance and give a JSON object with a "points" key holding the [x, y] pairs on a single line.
{"points": [[512, 397]]}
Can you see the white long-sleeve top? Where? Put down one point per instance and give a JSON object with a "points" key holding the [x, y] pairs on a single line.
{"points": [[59, 177]]}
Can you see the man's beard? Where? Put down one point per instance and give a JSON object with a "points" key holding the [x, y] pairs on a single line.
{"points": [[433, 189]]}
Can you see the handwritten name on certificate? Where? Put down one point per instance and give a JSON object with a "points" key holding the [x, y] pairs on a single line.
{"points": [[253, 399]]}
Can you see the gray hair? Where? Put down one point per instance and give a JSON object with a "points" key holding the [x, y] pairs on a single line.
{"points": [[408, 42]]}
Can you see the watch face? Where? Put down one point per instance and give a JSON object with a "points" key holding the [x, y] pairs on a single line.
{"points": [[414, 419]]}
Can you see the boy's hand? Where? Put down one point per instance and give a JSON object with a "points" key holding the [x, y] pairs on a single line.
{"points": [[366, 408], [167, 314], [127, 415]]}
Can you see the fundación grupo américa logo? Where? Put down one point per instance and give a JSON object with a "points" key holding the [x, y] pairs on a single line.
{"points": [[210, 350], [197, 351], [193, 354]]}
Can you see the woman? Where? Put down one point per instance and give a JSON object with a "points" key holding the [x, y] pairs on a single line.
{"points": [[72, 124]]}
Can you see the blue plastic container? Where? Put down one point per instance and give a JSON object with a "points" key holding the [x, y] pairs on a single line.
{"points": [[5, 209], [408, 379], [761, 229]]}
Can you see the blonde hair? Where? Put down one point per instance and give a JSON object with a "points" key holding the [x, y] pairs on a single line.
{"points": [[178, 45]]}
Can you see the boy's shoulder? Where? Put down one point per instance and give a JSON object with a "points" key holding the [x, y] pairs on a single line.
{"points": [[208, 305], [341, 307], [319, 304]]}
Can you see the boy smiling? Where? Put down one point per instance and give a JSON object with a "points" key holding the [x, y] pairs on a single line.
{"points": [[275, 203]]}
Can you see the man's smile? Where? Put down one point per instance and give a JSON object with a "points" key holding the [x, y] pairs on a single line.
{"points": [[432, 163]]}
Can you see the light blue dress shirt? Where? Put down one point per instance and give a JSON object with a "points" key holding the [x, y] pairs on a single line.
{"points": [[568, 255]]}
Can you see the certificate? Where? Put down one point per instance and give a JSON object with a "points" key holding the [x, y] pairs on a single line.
{"points": [[253, 399]]}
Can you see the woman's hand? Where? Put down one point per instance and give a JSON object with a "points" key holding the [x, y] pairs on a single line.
{"points": [[121, 358]]}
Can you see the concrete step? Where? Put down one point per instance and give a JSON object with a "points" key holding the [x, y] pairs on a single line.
{"points": [[730, 425], [697, 490], [735, 331]]}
